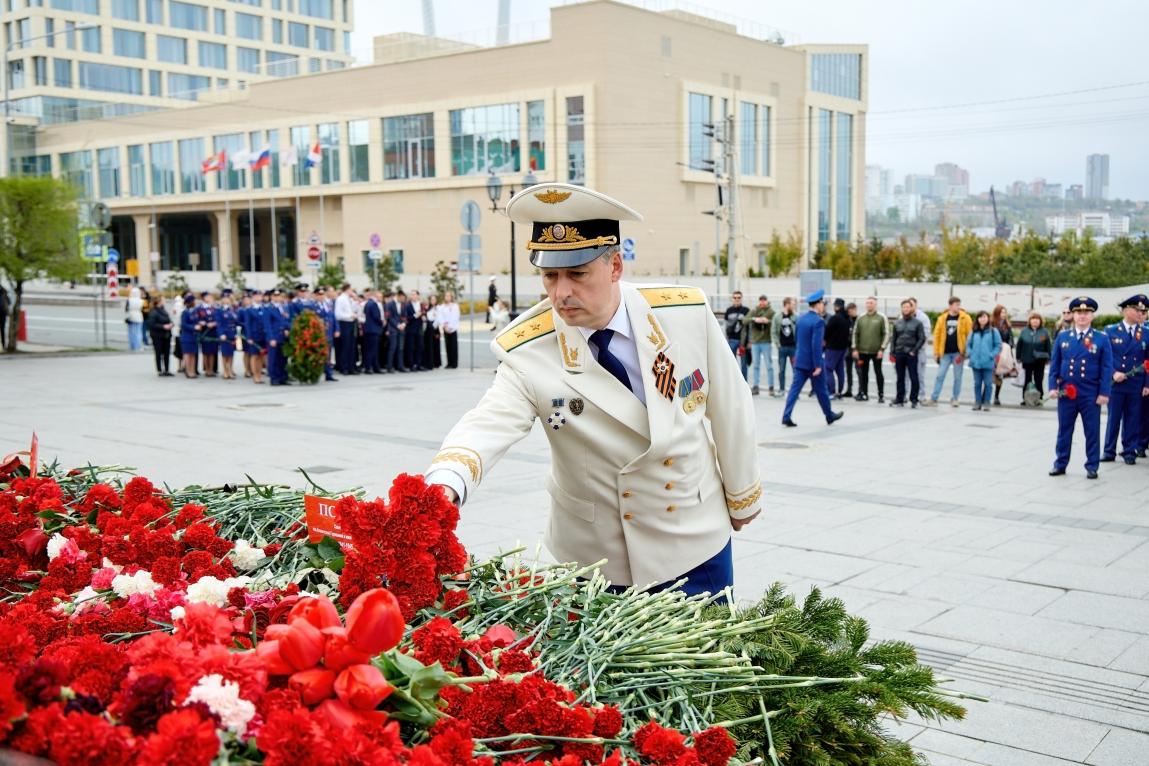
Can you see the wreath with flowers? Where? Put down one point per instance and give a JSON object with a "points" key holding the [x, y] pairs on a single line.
{"points": [[307, 348]]}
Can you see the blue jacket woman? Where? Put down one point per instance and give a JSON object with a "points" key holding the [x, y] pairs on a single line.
{"points": [[981, 349], [190, 328], [226, 323]]}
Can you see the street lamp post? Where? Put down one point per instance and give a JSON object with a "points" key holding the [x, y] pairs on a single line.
{"points": [[6, 75], [494, 191]]}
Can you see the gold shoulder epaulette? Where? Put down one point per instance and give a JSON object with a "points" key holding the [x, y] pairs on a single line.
{"points": [[661, 297], [527, 330]]}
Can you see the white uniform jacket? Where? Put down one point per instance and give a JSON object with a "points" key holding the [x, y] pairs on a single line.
{"points": [[650, 489]]}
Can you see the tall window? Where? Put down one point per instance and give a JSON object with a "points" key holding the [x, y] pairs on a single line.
{"points": [[843, 137], [128, 10], [248, 26], [114, 79], [273, 168], [16, 74], [109, 160], [50, 32], [329, 146], [701, 145], [300, 138], [155, 11], [247, 59], [81, 6], [321, 9], [125, 42], [825, 122], [282, 64], [191, 161], [358, 151], [409, 146], [213, 55], [764, 140], [137, 171], [187, 16], [155, 82], [324, 39], [90, 39], [76, 168], [40, 70], [297, 35], [231, 177], [838, 74], [173, 50], [163, 168], [747, 139], [219, 22], [62, 73], [536, 135], [576, 141], [277, 31], [485, 138], [187, 86]]}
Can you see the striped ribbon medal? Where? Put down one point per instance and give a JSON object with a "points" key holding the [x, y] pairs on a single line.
{"points": [[664, 375]]}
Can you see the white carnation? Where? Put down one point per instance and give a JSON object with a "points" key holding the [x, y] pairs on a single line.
{"points": [[56, 544], [177, 613], [212, 590], [84, 600], [129, 585], [246, 556], [222, 698]]}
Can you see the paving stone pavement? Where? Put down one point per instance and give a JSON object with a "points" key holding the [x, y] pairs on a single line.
{"points": [[939, 526]]}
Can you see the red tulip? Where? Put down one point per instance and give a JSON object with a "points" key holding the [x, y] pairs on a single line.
{"points": [[35, 542], [276, 632], [500, 636], [319, 611], [302, 646], [340, 716], [375, 622], [313, 685], [362, 687], [268, 651], [339, 653]]}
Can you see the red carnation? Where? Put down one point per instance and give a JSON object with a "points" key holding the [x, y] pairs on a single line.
{"points": [[607, 722], [11, 705], [715, 747], [659, 744], [437, 641], [84, 739], [183, 738], [1071, 391]]}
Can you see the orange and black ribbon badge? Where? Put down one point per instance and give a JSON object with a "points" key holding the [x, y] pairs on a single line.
{"points": [[664, 375]]}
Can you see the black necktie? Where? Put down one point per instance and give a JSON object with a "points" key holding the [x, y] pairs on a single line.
{"points": [[610, 362]]}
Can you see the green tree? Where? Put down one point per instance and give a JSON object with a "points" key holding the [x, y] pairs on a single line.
{"points": [[38, 237], [781, 255], [893, 214], [175, 283], [288, 274], [444, 280], [232, 278], [964, 255], [383, 276], [331, 274]]}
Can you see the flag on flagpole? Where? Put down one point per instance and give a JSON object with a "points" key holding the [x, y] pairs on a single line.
{"points": [[288, 157], [263, 159], [239, 159], [214, 163], [314, 156]]}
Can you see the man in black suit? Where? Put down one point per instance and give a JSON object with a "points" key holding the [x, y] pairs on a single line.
{"points": [[396, 326], [372, 330]]}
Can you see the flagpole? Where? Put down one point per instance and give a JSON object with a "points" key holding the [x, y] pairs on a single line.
{"points": [[251, 216], [226, 170]]}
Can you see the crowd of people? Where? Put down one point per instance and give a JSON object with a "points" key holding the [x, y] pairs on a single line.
{"points": [[856, 343], [369, 332]]}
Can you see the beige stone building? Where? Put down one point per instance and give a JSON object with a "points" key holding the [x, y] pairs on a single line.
{"points": [[381, 157]]}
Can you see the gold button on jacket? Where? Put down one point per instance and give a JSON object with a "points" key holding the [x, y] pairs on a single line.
{"points": [[682, 487]]}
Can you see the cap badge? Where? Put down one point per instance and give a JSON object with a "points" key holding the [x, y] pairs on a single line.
{"points": [[558, 233], [552, 196]]}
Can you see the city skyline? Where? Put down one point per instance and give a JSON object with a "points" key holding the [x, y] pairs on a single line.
{"points": [[973, 96]]}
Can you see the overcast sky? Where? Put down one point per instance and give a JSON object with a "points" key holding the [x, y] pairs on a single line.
{"points": [[942, 60]]}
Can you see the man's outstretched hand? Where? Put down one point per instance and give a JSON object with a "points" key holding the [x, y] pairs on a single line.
{"points": [[739, 523]]}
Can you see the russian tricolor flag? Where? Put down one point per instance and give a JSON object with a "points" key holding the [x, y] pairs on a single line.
{"points": [[314, 156], [261, 160]]}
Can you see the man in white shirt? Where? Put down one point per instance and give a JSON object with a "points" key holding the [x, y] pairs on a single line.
{"points": [[345, 319], [447, 320], [651, 426]]}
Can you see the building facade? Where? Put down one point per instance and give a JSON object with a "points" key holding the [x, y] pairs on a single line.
{"points": [[379, 158], [1097, 176]]}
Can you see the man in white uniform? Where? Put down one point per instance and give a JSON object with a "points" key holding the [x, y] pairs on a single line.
{"points": [[650, 423]]}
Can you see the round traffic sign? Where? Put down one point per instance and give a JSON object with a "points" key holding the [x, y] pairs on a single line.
{"points": [[376, 240], [469, 216], [113, 255], [314, 253], [628, 243], [313, 239]]}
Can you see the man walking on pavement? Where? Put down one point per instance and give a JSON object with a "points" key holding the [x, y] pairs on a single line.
{"points": [[735, 315], [837, 345], [809, 362], [871, 333]]}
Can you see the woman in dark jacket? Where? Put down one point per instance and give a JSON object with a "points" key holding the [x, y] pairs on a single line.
{"points": [[1034, 346], [1000, 322], [159, 327]]}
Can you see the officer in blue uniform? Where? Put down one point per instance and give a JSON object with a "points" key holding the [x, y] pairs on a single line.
{"points": [[325, 306], [278, 326], [809, 362], [227, 322], [1080, 378], [209, 334], [255, 335], [1143, 433], [1129, 340], [190, 329]]}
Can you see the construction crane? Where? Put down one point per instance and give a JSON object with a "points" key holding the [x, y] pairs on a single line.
{"points": [[1000, 225], [429, 18]]}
